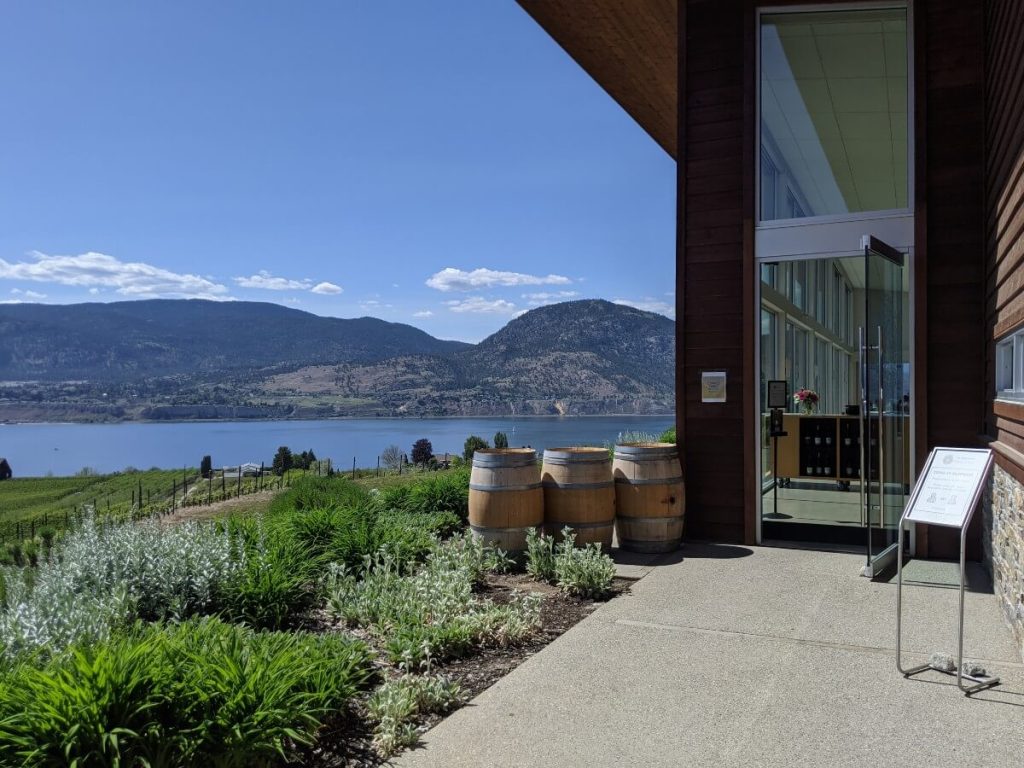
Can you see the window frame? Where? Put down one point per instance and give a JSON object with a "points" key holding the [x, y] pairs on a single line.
{"points": [[762, 224]]}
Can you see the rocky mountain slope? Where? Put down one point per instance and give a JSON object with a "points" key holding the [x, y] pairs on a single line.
{"points": [[195, 359]]}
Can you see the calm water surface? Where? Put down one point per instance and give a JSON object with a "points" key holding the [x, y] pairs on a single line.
{"points": [[63, 449]]}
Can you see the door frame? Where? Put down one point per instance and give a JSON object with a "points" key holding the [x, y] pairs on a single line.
{"points": [[909, 266]]}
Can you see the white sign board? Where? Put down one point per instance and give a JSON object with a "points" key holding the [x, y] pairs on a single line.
{"points": [[949, 487], [712, 386]]}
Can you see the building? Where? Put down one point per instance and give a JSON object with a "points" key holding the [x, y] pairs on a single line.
{"points": [[851, 221]]}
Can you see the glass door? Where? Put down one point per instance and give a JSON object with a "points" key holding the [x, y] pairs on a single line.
{"points": [[884, 352]]}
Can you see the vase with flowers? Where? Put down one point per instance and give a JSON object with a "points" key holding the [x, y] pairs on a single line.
{"points": [[807, 399]]}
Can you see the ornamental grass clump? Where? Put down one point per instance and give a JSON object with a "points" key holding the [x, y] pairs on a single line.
{"points": [[198, 693], [431, 613]]}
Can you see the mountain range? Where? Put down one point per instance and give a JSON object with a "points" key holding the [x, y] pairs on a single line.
{"points": [[182, 359]]}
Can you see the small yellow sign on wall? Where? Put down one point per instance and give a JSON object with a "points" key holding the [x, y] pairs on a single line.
{"points": [[712, 386]]}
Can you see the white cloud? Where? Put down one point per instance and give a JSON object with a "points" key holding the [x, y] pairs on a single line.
{"points": [[327, 289], [94, 291], [478, 304], [292, 300], [30, 295], [423, 313], [98, 270], [647, 304], [536, 299], [450, 279], [267, 282]]}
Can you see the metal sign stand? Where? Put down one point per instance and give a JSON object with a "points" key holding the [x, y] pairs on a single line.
{"points": [[775, 432], [979, 682]]}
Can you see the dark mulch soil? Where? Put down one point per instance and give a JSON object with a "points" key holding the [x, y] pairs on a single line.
{"points": [[345, 743]]}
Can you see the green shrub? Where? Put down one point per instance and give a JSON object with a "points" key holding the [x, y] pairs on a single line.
{"points": [[397, 703], [199, 693], [431, 613], [273, 587], [104, 576], [585, 572], [540, 556], [442, 492], [668, 436], [313, 492]]}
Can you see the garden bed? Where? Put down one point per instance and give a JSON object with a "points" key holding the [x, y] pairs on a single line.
{"points": [[347, 741], [352, 621]]}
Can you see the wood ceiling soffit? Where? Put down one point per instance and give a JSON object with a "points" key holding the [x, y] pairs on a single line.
{"points": [[629, 47]]}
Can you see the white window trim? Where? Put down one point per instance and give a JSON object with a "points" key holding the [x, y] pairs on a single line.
{"points": [[1012, 346]]}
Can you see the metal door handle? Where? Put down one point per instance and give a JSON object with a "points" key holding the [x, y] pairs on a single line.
{"points": [[881, 436]]}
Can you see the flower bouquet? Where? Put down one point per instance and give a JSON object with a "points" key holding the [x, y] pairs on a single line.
{"points": [[807, 399]]}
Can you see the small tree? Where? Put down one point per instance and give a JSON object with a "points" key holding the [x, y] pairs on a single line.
{"points": [[206, 466], [422, 450], [282, 460], [392, 457], [473, 444], [500, 440]]}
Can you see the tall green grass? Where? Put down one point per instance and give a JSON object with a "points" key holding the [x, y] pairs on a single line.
{"points": [[202, 693]]}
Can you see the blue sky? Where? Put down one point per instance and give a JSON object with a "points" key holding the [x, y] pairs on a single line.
{"points": [[443, 164]]}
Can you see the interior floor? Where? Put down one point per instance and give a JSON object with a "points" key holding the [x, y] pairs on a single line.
{"points": [[822, 503]]}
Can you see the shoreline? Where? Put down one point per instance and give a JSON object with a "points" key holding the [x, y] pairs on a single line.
{"points": [[151, 422]]}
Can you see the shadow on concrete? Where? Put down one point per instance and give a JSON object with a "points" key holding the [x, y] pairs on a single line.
{"points": [[996, 695], [943, 574], [710, 551]]}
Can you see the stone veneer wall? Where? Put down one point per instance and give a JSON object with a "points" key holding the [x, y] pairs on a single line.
{"points": [[1003, 541]]}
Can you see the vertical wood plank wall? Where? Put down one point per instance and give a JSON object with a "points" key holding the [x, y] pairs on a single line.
{"points": [[954, 197], [1004, 223], [710, 273]]}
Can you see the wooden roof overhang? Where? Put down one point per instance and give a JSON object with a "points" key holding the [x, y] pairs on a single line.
{"points": [[630, 47]]}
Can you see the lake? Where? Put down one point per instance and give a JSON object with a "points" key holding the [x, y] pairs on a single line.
{"points": [[64, 449]]}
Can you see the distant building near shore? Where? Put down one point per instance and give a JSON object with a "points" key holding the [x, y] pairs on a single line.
{"points": [[248, 469], [5, 470]]}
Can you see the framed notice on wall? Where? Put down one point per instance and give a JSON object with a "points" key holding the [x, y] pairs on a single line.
{"points": [[712, 386], [950, 485]]}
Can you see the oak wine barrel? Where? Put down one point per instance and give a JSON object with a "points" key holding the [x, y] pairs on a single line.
{"points": [[649, 502], [505, 497], [579, 493]]}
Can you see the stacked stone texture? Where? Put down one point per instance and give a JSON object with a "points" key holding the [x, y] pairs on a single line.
{"points": [[1004, 547]]}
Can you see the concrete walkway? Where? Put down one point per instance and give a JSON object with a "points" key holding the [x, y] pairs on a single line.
{"points": [[735, 656]]}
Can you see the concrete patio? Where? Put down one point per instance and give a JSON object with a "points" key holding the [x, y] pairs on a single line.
{"points": [[762, 656]]}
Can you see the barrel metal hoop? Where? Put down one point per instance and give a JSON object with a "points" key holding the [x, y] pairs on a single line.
{"points": [[519, 463], [581, 526], [560, 461], [501, 488], [632, 457], [485, 529], [650, 519], [577, 486], [649, 481]]}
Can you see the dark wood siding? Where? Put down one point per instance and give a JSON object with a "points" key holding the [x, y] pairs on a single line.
{"points": [[951, 209], [712, 266], [1004, 223]]}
